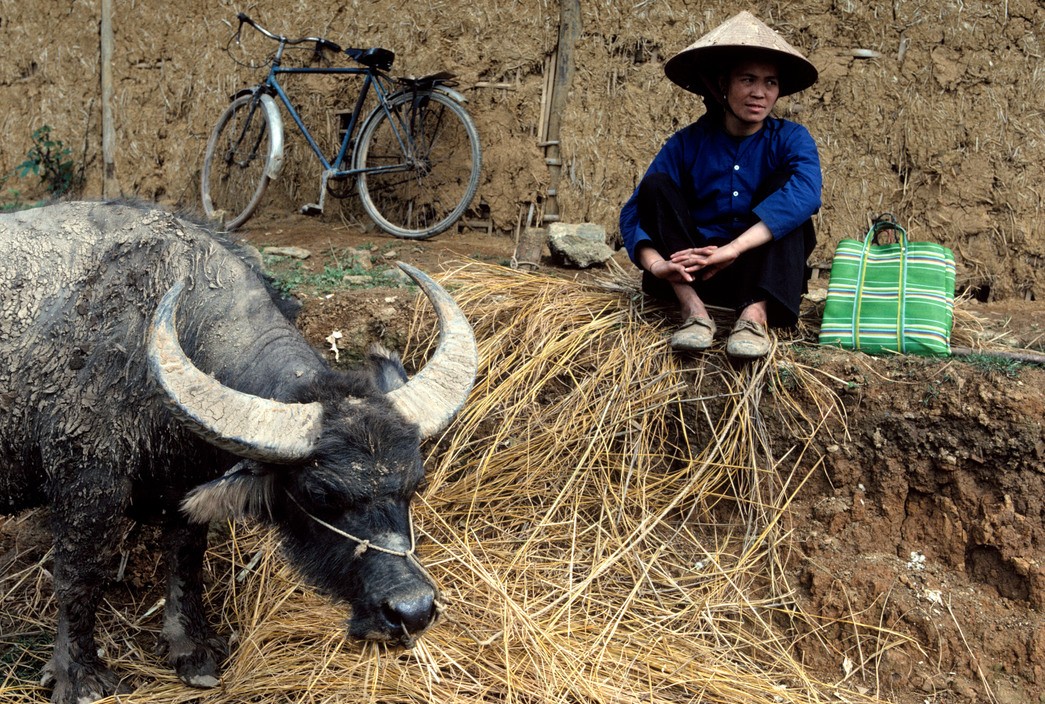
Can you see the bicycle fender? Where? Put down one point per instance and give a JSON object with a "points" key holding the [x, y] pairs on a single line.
{"points": [[448, 92], [275, 165]]}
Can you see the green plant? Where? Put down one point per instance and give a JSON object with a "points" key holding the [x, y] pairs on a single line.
{"points": [[784, 379], [932, 393], [12, 199], [290, 275], [51, 160], [989, 364], [22, 656]]}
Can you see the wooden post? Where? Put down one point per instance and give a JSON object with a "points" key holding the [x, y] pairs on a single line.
{"points": [[110, 187], [569, 31], [558, 74]]}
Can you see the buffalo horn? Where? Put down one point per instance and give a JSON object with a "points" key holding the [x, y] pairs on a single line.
{"points": [[435, 394], [248, 426]]}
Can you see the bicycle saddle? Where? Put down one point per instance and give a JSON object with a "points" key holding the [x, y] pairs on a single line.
{"points": [[375, 57]]}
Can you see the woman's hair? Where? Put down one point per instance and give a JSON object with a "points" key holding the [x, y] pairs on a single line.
{"points": [[713, 108]]}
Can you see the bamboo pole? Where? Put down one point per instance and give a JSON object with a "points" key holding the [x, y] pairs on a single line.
{"points": [[569, 30], [110, 186], [546, 90], [558, 74]]}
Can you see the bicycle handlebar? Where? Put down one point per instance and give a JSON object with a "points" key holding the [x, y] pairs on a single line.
{"points": [[320, 42]]}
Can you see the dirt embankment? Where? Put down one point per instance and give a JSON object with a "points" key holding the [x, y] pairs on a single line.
{"points": [[938, 126], [928, 520]]}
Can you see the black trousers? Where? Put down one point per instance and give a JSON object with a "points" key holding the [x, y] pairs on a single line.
{"points": [[776, 272]]}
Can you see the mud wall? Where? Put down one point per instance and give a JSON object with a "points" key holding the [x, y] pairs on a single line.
{"points": [[943, 127]]}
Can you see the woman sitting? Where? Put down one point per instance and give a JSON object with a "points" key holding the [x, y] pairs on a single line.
{"points": [[723, 214]]}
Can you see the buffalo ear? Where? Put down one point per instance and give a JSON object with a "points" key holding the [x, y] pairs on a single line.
{"points": [[244, 490], [389, 373]]}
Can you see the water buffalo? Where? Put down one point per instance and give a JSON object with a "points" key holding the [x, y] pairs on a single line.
{"points": [[148, 372]]}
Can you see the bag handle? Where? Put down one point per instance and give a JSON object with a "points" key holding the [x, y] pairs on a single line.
{"points": [[881, 224]]}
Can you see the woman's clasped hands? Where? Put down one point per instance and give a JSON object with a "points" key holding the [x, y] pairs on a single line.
{"points": [[703, 261]]}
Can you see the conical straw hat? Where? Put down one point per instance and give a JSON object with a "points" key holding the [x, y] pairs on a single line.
{"points": [[742, 37]]}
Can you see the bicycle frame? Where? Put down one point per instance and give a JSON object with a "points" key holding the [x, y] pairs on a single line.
{"points": [[371, 81]]}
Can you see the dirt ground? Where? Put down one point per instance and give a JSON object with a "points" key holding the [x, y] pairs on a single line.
{"points": [[927, 518]]}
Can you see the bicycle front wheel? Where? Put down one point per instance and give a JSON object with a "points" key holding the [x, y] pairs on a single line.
{"points": [[419, 164], [236, 163]]}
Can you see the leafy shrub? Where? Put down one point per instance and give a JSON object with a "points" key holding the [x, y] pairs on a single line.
{"points": [[51, 160]]}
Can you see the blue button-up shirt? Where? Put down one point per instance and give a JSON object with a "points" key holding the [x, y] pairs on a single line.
{"points": [[722, 173]]}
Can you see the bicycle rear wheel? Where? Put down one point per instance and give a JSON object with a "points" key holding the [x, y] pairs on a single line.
{"points": [[236, 163], [419, 164]]}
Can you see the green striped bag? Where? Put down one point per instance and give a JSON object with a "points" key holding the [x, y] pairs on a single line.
{"points": [[890, 298]]}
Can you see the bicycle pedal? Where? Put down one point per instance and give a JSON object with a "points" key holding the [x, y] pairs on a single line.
{"points": [[311, 209]]}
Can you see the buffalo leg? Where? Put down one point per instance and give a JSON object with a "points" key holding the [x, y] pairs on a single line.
{"points": [[86, 540], [193, 649]]}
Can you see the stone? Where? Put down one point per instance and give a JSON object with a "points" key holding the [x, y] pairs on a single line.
{"points": [[582, 245], [292, 252]]}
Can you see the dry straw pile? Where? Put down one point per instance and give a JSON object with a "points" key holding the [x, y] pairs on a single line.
{"points": [[608, 522]]}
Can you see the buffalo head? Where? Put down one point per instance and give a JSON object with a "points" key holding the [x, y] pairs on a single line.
{"points": [[333, 464]]}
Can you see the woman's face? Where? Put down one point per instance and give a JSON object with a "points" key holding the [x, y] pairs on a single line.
{"points": [[752, 91]]}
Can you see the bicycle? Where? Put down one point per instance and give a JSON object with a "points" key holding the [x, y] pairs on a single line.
{"points": [[416, 161]]}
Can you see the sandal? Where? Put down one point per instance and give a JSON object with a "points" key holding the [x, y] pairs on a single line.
{"points": [[694, 335], [749, 340]]}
